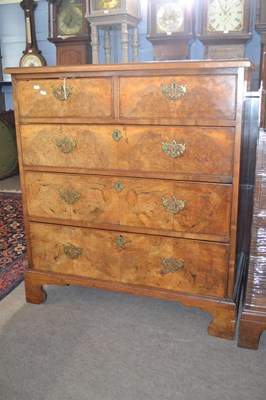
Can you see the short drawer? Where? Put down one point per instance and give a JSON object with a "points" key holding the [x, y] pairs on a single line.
{"points": [[65, 97], [178, 96], [181, 265], [157, 149], [156, 204]]}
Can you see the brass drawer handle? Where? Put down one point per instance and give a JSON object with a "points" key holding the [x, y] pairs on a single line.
{"points": [[173, 149], [174, 91], [117, 135], [69, 196], [120, 241], [72, 251], [171, 265], [62, 92], [119, 186], [173, 205], [66, 145]]}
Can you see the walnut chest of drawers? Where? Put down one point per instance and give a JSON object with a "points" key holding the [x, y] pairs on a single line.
{"points": [[130, 178]]}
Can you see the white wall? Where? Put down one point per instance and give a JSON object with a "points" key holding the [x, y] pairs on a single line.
{"points": [[12, 38]]}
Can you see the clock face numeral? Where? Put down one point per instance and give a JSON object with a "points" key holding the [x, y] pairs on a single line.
{"points": [[70, 18], [225, 15], [170, 18], [107, 4]]}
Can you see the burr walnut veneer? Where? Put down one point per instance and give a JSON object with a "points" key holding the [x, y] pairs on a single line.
{"points": [[130, 177]]}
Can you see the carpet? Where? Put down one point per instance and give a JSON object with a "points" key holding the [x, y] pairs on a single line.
{"points": [[87, 344], [13, 257]]}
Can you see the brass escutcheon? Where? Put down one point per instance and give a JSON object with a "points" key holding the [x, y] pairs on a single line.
{"points": [[119, 186], [120, 241], [62, 92], [117, 135], [171, 265], [174, 91], [173, 149], [66, 145], [72, 251], [69, 196], [173, 205]]}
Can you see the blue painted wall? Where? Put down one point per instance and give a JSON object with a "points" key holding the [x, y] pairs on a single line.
{"points": [[12, 40]]}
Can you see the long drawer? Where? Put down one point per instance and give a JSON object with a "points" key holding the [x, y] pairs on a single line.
{"points": [[181, 265], [151, 203], [167, 149]]}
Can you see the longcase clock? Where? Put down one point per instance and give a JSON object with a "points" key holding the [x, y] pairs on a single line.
{"points": [[170, 28], [69, 31], [225, 26]]}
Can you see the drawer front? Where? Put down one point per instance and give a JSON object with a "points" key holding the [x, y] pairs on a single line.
{"points": [[186, 150], [182, 96], [151, 203], [180, 265], [65, 98]]}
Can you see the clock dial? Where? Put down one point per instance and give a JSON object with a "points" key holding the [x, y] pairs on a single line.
{"points": [[225, 15], [30, 60], [170, 18], [107, 4], [70, 18]]}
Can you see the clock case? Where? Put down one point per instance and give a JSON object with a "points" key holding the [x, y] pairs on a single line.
{"points": [[127, 15], [128, 7], [128, 12], [225, 45], [174, 46], [72, 49]]}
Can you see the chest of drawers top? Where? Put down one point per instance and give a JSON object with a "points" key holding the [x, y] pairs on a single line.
{"points": [[173, 93]]}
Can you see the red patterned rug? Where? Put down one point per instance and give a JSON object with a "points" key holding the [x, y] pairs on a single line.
{"points": [[13, 258]]}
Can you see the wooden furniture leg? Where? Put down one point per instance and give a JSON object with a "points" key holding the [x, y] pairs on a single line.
{"points": [[33, 288]]}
